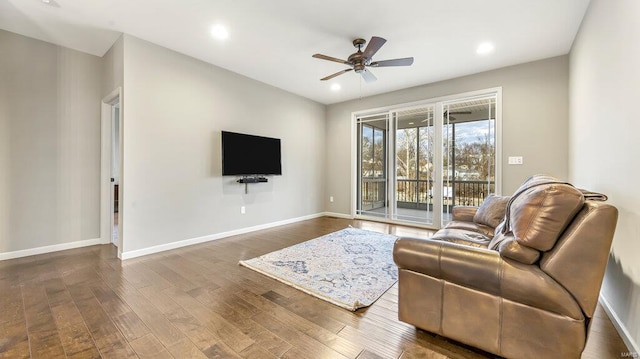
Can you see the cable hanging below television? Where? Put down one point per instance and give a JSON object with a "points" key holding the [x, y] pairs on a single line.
{"points": [[251, 157]]}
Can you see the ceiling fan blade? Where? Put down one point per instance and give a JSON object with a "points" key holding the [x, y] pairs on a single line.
{"points": [[407, 61], [374, 45], [334, 75], [368, 76], [325, 57]]}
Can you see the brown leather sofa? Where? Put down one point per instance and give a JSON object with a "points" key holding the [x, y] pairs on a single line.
{"points": [[526, 287]]}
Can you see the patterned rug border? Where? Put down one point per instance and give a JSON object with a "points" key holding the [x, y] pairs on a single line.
{"points": [[319, 295]]}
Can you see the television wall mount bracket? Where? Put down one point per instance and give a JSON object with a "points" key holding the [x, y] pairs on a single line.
{"points": [[251, 179]]}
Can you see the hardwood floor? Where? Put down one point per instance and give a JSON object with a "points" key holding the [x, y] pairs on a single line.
{"points": [[197, 302]]}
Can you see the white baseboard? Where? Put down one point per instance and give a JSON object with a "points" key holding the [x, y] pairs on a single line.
{"points": [[49, 249], [632, 346], [337, 215], [211, 237], [162, 247]]}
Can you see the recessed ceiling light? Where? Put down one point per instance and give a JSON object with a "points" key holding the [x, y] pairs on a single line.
{"points": [[219, 32], [46, 1], [336, 87], [485, 48]]}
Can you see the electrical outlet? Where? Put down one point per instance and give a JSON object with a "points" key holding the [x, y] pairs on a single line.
{"points": [[515, 160], [331, 199], [243, 210]]}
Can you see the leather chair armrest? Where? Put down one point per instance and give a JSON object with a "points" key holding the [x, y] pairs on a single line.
{"points": [[464, 213], [485, 270]]}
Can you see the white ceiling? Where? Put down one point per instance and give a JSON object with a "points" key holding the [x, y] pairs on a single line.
{"points": [[272, 41]]}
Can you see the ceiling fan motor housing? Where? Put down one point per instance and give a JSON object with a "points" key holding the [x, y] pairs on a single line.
{"points": [[357, 59], [359, 62]]}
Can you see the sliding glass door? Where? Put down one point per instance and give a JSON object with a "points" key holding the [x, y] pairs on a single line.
{"points": [[415, 163], [469, 152], [414, 167], [372, 165]]}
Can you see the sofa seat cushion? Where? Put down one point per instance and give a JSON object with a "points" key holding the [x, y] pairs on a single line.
{"points": [[471, 226], [462, 236]]}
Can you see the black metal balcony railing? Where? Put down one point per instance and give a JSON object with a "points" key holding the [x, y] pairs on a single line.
{"points": [[373, 193], [456, 192], [418, 194]]}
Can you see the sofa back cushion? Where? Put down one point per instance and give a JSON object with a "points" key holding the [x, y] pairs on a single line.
{"points": [[540, 210], [491, 211]]}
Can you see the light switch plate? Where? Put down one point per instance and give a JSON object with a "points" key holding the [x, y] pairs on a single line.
{"points": [[515, 160]]}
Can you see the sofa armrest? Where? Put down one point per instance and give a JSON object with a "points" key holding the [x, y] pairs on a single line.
{"points": [[485, 270], [464, 213]]}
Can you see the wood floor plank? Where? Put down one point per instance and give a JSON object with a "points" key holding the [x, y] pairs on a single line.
{"points": [[311, 309], [171, 276], [306, 346], [197, 302], [381, 346], [105, 334], [184, 348], [254, 351], [347, 348], [369, 355], [66, 314], [224, 303], [36, 309], [198, 334], [152, 317], [15, 341], [149, 347], [11, 307], [46, 344], [226, 331], [268, 341], [77, 342], [188, 269]]}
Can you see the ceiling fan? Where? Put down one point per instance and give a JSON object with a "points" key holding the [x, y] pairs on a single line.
{"points": [[359, 61]]}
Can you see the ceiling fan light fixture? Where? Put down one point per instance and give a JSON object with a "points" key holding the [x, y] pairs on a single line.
{"points": [[485, 48]]}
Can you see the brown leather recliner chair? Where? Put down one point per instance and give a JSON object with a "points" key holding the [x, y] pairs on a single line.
{"points": [[529, 291]]}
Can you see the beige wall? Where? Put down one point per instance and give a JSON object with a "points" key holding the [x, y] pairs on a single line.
{"points": [[176, 108], [113, 67], [604, 127], [535, 122], [49, 144]]}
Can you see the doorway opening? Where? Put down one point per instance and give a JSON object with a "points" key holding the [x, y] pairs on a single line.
{"points": [[111, 171], [115, 161]]}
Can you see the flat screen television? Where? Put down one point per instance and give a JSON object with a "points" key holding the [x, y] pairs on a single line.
{"points": [[247, 155]]}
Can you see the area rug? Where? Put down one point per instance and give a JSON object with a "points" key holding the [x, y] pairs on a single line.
{"points": [[350, 268]]}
